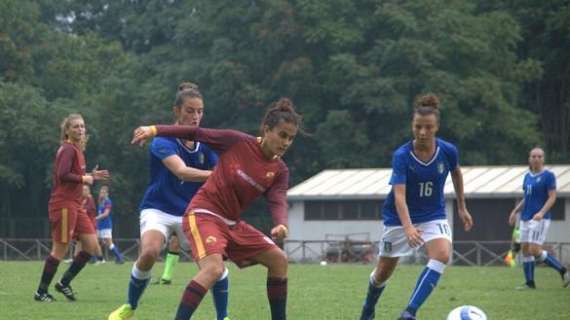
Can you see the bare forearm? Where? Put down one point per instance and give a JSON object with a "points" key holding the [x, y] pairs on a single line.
{"points": [[193, 175], [549, 203], [457, 179]]}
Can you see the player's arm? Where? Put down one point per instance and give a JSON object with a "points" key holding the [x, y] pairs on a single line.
{"points": [[105, 213], [276, 197], [547, 205], [412, 233], [177, 166], [516, 210], [464, 215]]}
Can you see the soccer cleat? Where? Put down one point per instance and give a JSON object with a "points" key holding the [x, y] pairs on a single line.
{"points": [[43, 297], [406, 315], [526, 286], [367, 314], [119, 261], [122, 313], [227, 318], [163, 281], [566, 279], [65, 290]]}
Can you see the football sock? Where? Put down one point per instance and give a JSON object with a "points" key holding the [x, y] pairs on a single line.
{"points": [[277, 294], [528, 267], [220, 294], [551, 262], [78, 263], [373, 294], [116, 252], [190, 300], [50, 268], [137, 284], [171, 261], [425, 285]]}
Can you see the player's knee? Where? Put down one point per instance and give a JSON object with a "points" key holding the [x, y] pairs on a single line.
{"points": [[150, 254], [214, 270]]}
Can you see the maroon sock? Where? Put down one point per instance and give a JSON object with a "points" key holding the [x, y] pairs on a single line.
{"points": [[190, 300], [50, 268], [277, 295]]}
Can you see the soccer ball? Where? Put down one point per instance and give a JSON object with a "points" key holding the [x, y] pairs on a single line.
{"points": [[467, 313]]}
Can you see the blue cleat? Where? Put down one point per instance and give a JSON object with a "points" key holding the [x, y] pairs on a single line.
{"points": [[406, 315]]}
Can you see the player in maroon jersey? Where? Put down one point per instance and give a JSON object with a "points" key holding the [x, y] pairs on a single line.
{"points": [[248, 168], [66, 214]]}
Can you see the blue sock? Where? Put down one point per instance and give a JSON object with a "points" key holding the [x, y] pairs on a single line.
{"points": [[220, 294], [425, 285], [551, 262], [372, 296], [528, 267], [116, 252], [139, 281]]}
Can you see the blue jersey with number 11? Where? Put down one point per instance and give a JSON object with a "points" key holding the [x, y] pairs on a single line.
{"points": [[424, 182]]}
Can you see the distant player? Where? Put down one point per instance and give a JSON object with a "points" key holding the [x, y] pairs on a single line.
{"points": [[414, 212], [178, 168], [105, 223], [539, 187], [66, 214], [511, 257], [248, 168]]}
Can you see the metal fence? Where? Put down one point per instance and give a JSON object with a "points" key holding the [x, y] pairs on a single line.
{"points": [[469, 253]]}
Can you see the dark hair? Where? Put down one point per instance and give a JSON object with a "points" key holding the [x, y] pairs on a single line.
{"points": [[281, 110], [186, 90], [426, 105]]}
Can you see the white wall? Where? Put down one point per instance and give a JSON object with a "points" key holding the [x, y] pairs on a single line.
{"points": [[560, 230]]}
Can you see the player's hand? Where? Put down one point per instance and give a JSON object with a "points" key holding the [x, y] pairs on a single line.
{"points": [[538, 216], [279, 232], [141, 134], [87, 179], [100, 174], [466, 218], [414, 236], [512, 218]]}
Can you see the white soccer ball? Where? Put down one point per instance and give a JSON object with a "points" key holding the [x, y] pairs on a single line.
{"points": [[323, 263], [467, 313]]}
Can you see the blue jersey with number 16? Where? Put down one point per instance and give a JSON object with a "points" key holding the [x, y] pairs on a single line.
{"points": [[424, 182]]}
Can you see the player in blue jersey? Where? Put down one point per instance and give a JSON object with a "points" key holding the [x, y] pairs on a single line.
{"points": [[105, 223], [414, 212], [178, 168], [539, 187]]}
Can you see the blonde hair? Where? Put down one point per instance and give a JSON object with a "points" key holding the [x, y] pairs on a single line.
{"points": [[65, 124]]}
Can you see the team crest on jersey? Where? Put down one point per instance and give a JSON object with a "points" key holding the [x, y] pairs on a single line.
{"points": [[201, 158], [440, 167], [211, 239], [270, 175], [387, 246], [538, 179]]}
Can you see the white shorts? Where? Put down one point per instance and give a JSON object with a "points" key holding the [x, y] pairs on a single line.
{"points": [[534, 231], [154, 219], [394, 242], [105, 233]]}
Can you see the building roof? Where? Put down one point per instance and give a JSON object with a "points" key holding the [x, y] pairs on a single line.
{"points": [[479, 182]]}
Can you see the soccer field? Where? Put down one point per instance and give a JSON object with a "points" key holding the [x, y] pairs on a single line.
{"points": [[315, 292]]}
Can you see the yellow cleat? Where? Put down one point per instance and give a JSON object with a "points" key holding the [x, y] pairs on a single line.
{"points": [[122, 313]]}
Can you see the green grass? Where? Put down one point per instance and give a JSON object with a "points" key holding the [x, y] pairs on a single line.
{"points": [[315, 292]]}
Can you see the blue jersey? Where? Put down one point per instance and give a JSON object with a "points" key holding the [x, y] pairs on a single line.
{"points": [[536, 188], [424, 182], [105, 223], [166, 192]]}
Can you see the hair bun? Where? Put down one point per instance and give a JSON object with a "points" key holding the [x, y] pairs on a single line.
{"points": [[187, 85], [428, 100], [284, 104]]}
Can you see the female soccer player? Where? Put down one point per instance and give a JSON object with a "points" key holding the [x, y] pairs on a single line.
{"points": [[178, 169], [66, 214], [414, 212], [105, 223], [248, 168], [539, 187]]}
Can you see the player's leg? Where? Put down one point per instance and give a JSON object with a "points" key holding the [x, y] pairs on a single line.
{"points": [[172, 258], [540, 255], [109, 243], [62, 221], [88, 240], [276, 262], [376, 284], [528, 266], [211, 269]]}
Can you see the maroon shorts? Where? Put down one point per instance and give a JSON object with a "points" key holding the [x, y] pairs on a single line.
{"points": [[208, 234], [67, 222]]}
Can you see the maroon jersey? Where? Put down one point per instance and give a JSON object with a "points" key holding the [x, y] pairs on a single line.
{"points": [[89, 206], [69, 167], [241, 175]]}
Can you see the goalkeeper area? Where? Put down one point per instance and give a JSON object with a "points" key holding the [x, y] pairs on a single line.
{"points": [[335, 291]]}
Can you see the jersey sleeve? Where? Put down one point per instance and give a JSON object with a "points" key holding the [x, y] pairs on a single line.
{"points": [[212, 158], [453, 155], [398, 169], [108, 204], [218, 139], [63, 171], [162, 148], [551, 182], [276, 197]]}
